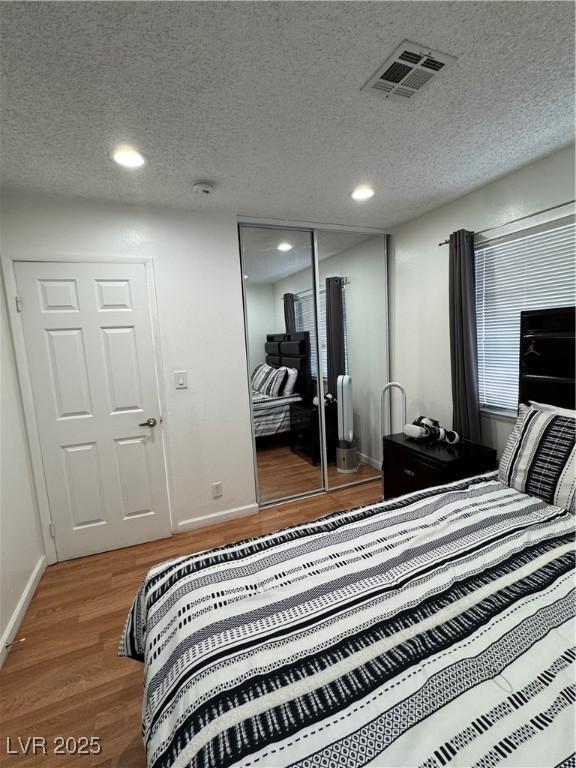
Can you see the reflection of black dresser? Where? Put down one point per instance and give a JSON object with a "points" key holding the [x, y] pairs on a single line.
{"points": [[305, 431], [547, 356]]}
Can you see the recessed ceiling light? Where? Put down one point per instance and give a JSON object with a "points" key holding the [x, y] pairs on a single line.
{"points": [[128, 157], [284, 247], [363, 192]]}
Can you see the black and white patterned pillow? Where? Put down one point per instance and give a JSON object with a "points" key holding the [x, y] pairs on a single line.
{"points": [[261, 375], [268, 380], [540, 455], [256, 376], [273, 383]]}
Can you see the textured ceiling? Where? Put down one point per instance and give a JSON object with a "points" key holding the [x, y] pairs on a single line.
{"points": [[264, 98], [264, 263]]}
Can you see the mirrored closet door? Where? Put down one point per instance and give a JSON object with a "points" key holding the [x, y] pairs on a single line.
{"points": [[353, 328], [278, 275], [316, 332]]}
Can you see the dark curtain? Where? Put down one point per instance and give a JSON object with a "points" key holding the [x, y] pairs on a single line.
{"points": [[335, 331], [290, 312], [466, 413]]}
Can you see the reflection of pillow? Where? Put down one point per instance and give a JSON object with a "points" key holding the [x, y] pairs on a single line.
{"points": [[560, 411], [256, 374], [540, 455], [261, 375], [290, 382], [273, 383]]}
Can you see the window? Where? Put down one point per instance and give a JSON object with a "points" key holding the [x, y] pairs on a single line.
{"points": [[534, 269], [305, 322]]}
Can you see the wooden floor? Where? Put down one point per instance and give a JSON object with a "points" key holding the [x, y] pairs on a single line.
{"points": [[283, 472], [66, 679]]}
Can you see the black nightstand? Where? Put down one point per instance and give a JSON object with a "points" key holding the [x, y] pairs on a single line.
{"points": [[305, 431], [410, 465]]}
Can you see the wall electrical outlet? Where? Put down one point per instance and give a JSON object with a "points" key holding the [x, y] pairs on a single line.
{"points": [[217, 489]]}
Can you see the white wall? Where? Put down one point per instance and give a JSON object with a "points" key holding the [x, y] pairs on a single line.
{"points": [[21, 549], [199, 292], [418, 281], [365, 267], [261, 321]]}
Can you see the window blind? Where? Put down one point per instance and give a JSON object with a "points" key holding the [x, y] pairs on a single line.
{"points": [[534, 270], [305, 322]]}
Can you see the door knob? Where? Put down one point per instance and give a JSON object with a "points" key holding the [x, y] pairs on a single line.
{"points": [[151, 422]]}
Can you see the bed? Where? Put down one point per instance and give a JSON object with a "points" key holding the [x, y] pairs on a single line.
{"points": [[432, 630], [271, 415]]}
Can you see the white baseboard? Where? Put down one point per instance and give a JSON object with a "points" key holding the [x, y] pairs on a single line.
{"points": [[216, 517], [21, 607], [370, 460]]}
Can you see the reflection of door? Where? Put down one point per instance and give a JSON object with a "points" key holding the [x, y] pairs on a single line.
{"points": [[88, 336]]}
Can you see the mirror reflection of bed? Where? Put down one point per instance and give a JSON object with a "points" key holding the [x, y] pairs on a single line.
{"points": [[283, 357]]}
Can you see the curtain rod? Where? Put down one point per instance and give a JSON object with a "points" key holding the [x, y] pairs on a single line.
{"points": [[311, 290], [520, 218]]}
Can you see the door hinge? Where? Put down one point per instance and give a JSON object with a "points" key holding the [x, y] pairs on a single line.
{"points": [[52, 529], [18, 302]]}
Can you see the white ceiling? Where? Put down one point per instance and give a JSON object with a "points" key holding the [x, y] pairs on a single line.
{"points": [[264, 98], [262, 262]]}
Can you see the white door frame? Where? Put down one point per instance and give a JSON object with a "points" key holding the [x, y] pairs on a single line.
{"points": [[17, 332], [290, 224]]}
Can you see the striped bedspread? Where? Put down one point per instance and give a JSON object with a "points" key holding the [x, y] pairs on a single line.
{"points": [[432, 630], [272, 414]]}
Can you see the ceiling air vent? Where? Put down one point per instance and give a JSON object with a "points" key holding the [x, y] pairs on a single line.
{"points": [[407, 71]]}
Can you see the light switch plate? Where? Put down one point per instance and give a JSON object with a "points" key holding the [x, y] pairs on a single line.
{"points": [[181, 379]]}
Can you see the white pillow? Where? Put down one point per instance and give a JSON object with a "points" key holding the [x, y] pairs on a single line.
{"points": [[290, 382], [546, 407]]}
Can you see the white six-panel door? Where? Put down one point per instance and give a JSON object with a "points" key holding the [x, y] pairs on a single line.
{"points": [[89, 343]]}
